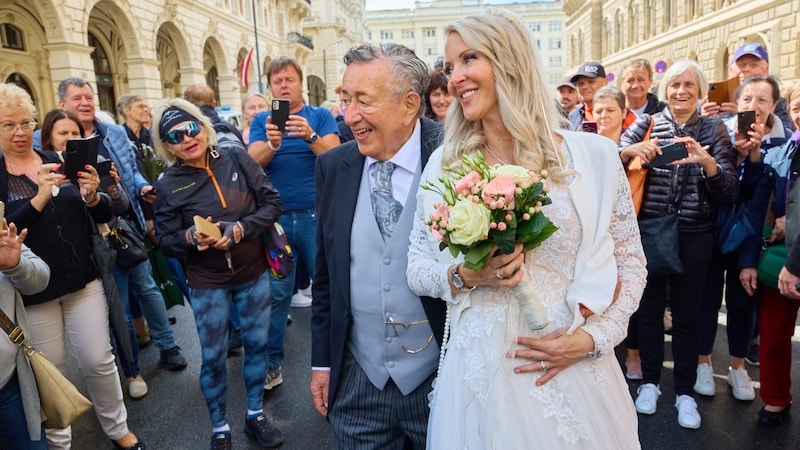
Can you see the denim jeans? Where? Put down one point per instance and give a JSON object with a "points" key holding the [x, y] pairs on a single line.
{"points": [[139, 281], [301, 230], [13, 427], [211, 310]]}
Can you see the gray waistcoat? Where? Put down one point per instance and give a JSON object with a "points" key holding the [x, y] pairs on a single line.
{"points": [[380, 293]]}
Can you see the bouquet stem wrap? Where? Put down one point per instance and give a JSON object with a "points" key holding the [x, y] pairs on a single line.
{"points": [[529, 303]]}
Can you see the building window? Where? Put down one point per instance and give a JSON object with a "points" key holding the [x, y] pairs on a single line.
{"points": [[11, 37], [429, 32], [554, 78], [554, 61], [407, 34], [429, 50], [369, 35], [554, 25], [387, 35], [554, 43], [535, 27]]}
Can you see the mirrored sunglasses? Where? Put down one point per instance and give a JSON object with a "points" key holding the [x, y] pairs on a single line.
{"points": [[176, 136]]}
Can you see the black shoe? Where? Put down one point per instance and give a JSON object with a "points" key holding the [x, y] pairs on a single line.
{"points": [[172, 359], [772, 418], [260, 428], [221, 441], [234, 341], [139, 445], [752, 355]]}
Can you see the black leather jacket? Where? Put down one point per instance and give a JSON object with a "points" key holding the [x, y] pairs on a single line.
{"points": [[702, 195]]}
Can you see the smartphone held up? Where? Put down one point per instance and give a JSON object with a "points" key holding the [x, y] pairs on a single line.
{"points": [[280, 113]]}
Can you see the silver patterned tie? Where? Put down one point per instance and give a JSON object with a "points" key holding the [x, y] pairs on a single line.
{"points": [[386, 209]]}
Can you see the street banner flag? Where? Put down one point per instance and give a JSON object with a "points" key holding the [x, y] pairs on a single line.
{"points": [[245, 68]]}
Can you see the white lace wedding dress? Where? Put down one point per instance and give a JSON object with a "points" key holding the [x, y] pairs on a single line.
{"points": [[478, 402]]}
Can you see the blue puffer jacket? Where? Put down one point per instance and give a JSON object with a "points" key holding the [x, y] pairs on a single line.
{"points": [[115, 140]]}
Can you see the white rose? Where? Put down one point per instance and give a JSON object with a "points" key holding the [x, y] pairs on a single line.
{"points": [[469, 222], [517, 172]]}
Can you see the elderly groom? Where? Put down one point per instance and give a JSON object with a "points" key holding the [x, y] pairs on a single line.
{"points": [[374, 354]]}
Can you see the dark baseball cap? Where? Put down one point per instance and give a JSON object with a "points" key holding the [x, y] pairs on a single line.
{"points": [[591, 69], [567, 81], [751, 48]]}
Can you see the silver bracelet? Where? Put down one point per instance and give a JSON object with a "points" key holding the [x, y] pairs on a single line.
{"points": [[274, 149]]}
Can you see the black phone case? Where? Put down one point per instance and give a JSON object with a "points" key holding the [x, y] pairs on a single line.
{"points": [[745, 119], [104, 172], [280, 113], [669, 153], [79, 153]]}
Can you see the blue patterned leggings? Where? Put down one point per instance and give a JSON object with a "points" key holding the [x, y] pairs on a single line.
{"points": [[211, 309]]}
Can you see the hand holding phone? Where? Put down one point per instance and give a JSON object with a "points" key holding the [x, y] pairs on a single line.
{"points": [[206, 228], [669, 153], [79, 153], [280, 113], [746, 119]]}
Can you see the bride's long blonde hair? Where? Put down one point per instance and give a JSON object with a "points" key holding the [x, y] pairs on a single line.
{"points": [[526, 107]]}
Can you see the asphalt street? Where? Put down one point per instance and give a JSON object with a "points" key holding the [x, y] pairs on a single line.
{"points": [[173, 415]]}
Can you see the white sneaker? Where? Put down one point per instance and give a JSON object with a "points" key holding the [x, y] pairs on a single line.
{"points": [[300, 301], [306, 291], [688, 417], [741, 385], [647, 399], [705, 380], [137, 389]]}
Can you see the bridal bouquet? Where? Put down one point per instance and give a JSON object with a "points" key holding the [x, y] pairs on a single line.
{"points": [[484, 206]]}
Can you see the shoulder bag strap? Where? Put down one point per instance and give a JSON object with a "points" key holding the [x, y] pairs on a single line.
{"points": [[14, 332], [649, 129]]}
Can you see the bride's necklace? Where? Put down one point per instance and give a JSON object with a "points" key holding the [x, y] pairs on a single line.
{"points": [[495, 156]]}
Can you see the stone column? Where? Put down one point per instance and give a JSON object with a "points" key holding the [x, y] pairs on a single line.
{"points": [[229, 94], [144, 78], [70, 60]]}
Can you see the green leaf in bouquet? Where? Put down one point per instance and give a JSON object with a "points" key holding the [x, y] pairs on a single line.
{"points": [[476, 257], [533, 241], [534, 225], [505, 239]]}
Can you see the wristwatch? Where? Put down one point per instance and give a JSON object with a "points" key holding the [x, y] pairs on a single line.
{"points": [[458, 282], [312, 139]]}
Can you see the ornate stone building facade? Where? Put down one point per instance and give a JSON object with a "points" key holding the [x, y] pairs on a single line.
{"points": [[422, 28], [708, 31], [156, 48]]}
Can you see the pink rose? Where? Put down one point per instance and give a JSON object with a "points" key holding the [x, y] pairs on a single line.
{"points": [[500, 191], [439, 220], [463, 187]]}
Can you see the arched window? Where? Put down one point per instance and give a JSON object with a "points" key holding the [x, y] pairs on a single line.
{"points": [[606, 37], [632, 23], [20, 81], [618, 32], [212, 79], [105, 77], [648, 18], [667, 14]]}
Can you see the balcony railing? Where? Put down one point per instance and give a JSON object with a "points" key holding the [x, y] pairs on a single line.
{"points": [[297, 38]]}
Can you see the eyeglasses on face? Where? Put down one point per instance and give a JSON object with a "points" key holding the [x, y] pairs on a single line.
{"points": [[176, 136], [9, 127]]}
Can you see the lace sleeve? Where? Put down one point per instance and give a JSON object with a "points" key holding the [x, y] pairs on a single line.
{"points": [[427, 268], [610, 328]]}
